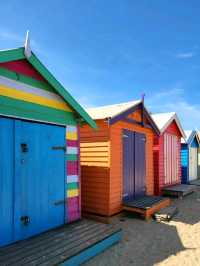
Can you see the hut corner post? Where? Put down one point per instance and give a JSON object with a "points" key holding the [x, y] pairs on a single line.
{"points": [[72, 184], [142, 109]]}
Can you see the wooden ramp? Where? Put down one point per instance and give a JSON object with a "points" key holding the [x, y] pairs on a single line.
{"points": [[146, 205], [195, 182], [179, 190], [68, 245]]}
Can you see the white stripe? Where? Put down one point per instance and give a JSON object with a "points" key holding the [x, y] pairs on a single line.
{"points": [[71, 129], [72, 178], [29, 89], [72, 150]]}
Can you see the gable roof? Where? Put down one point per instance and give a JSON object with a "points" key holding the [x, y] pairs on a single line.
{"points": [[110, 111], [190, 135], [163, 120], [19, 53], [116, 112]]}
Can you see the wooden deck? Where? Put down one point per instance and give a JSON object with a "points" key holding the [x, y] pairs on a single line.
{"points": [[179, 190], [68, 245], [147, 205]]}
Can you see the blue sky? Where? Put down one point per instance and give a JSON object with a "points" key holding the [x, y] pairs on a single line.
{"points": [[110, 51]]}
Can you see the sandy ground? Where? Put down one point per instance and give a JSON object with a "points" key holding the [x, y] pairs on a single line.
{"points": [[151, 243]]}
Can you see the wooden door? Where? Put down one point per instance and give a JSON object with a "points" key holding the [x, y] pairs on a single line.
{"points": [[134, 164]]}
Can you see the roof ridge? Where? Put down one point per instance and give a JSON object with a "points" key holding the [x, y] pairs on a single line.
{"points": [[109, 105]]}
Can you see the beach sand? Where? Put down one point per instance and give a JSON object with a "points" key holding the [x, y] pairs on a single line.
{"points": [[152, 243]]}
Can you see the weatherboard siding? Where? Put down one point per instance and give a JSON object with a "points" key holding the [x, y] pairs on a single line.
{"points": [[29, 98], [22, 67], [73, 182], [184, 162], [95, 150], [159, 157], [102, 165]]}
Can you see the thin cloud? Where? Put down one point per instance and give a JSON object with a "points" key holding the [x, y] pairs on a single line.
{"points": [[18, 40], [185, 55], [173, 100], [9, 36]]}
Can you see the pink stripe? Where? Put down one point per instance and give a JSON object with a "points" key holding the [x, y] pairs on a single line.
{"points": [[74, 216], [73, 200], [72, 143], [22, 67], [73, 204], [72, 168]]}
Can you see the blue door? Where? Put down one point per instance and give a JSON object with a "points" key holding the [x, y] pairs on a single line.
{"points": [[134, 164], [39, 178], [140, 164], [6, 180], [32, 173]]}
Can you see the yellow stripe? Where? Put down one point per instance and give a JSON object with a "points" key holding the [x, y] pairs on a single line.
{"points": [[72, 135], [28, 97], [72, 193]]}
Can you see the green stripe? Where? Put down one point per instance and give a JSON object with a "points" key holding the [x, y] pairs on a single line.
{"points": [[27, 80], [17, 54], [11, 55], [22, 109], [72, 157], [35, 62], [73, 185]]}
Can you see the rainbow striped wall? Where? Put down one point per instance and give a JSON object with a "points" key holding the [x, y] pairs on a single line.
{"points": [[73, 174], [30, 98]]}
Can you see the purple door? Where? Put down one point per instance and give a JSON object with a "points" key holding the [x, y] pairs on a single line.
{"points": [[134, 164]]}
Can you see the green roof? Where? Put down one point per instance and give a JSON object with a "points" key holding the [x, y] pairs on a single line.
{"points": [[17, 54]]}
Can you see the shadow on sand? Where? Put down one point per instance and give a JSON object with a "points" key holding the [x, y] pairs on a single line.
{"points": [[143, 244], [189, 208]]}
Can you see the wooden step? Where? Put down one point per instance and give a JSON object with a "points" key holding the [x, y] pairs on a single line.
{"points": [[146, 205]]}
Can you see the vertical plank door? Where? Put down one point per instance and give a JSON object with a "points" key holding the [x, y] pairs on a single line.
{"points": [[140, 164], [134, 164], [39, 178], [6, 180]]}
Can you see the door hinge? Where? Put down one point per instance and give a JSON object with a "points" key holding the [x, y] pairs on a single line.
{"points": [[59, 202], [59, 148]]}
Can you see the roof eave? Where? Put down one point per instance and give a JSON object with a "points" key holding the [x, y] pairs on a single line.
{"points": [[193, 134], [176, 119]]}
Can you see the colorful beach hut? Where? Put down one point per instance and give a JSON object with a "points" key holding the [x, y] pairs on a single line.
{"points": [[189, 156], [39, 147], [117, 160], [167, 151]]}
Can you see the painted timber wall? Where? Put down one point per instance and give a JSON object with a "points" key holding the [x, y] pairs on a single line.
{"points": [[185, 160], [162, 174], [102, 165], [25, 94]]}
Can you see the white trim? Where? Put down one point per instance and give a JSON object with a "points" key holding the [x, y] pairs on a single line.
{"points": [[72, 178], [72, 150], [172, 118], [189, 139], [72, 129], [27, 47], [29, 89]]}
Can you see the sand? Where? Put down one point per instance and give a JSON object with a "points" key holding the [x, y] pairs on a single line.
{"points": [[152, 243]]}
